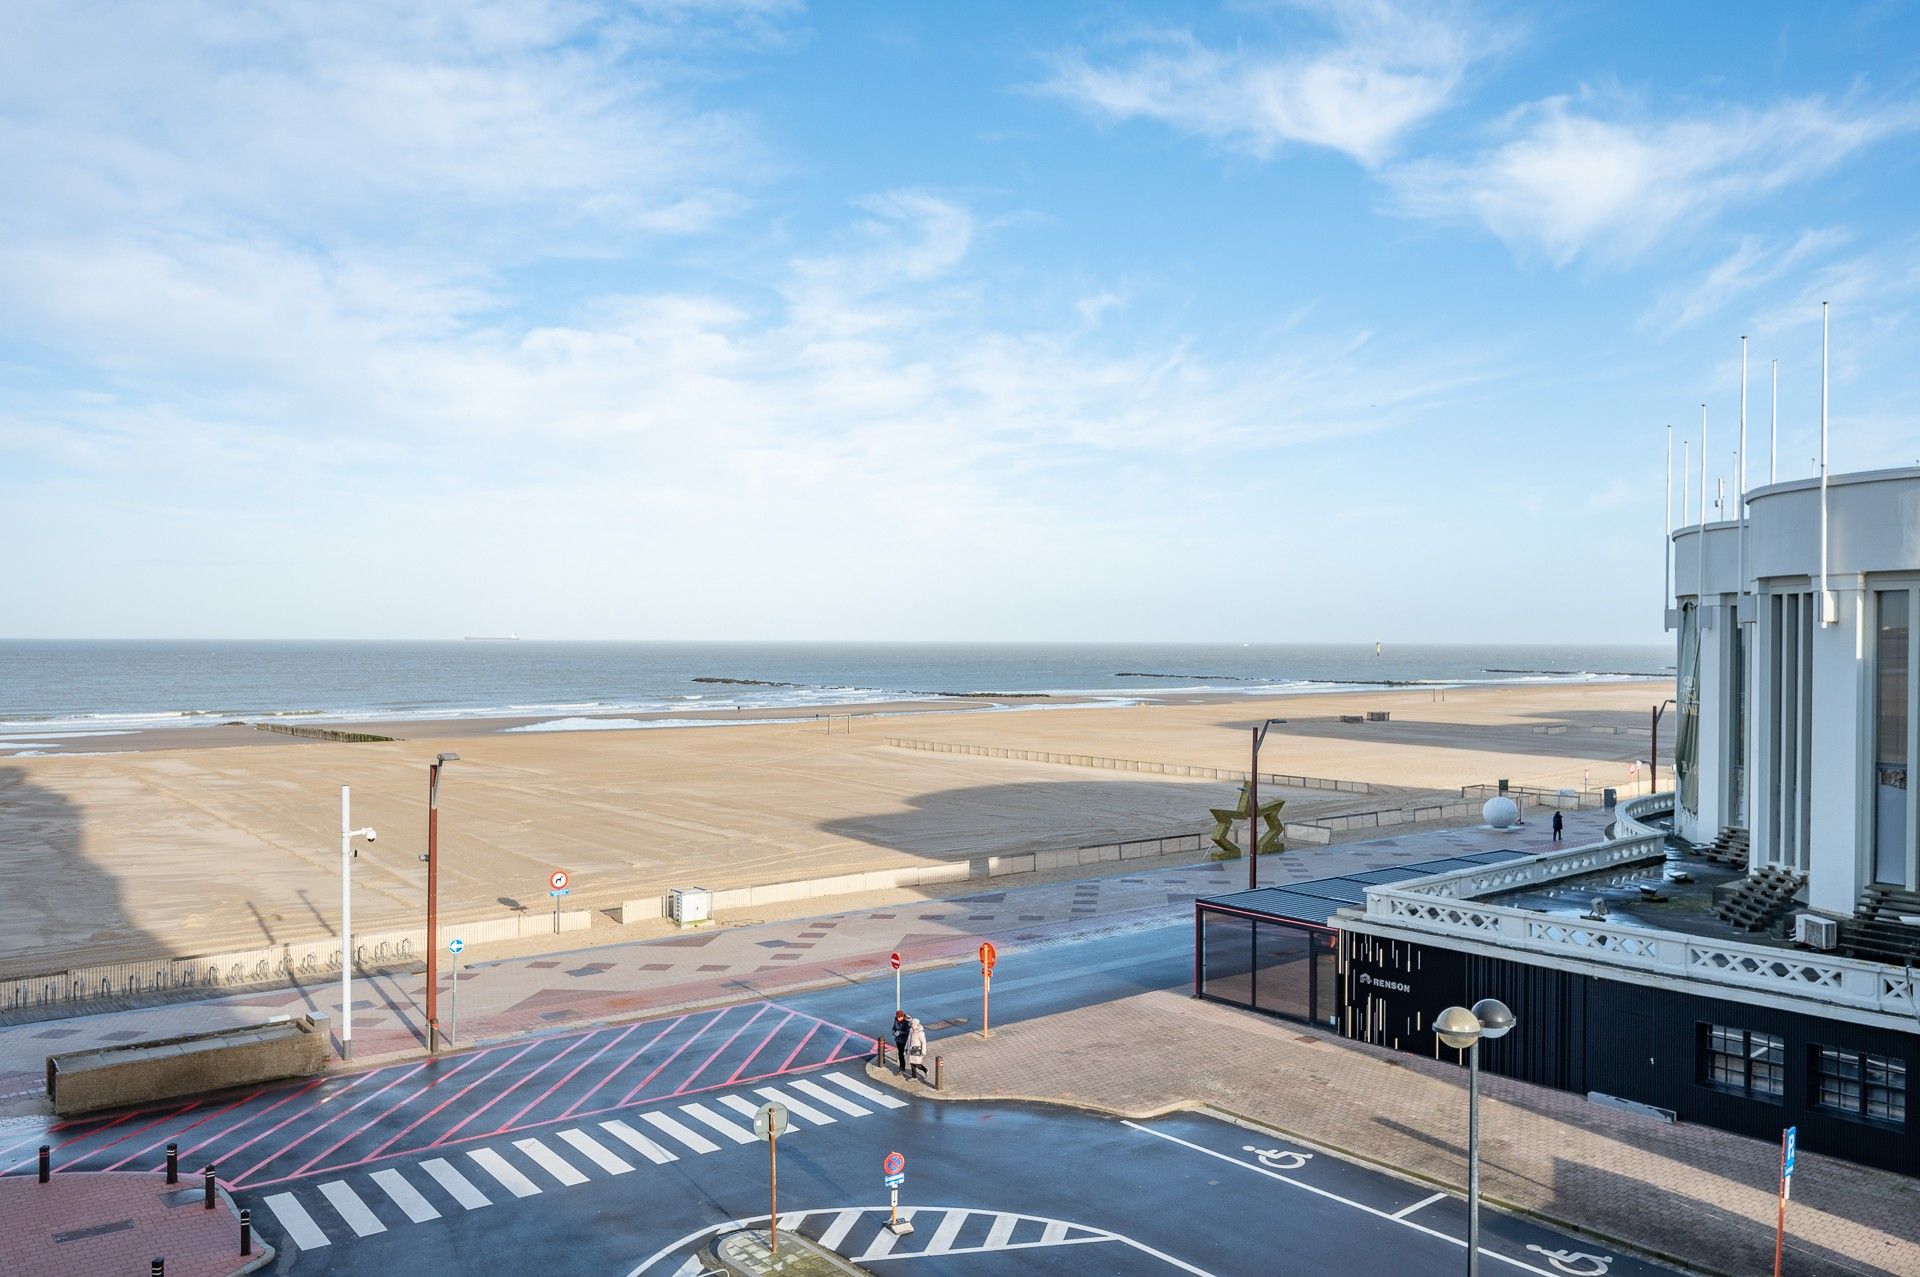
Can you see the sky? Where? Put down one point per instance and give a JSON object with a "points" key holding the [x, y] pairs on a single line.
{"points": [[753, 319]]}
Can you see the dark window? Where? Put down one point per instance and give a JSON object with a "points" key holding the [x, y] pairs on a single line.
{"points": [[1743, 1061], [1860, 1085]]}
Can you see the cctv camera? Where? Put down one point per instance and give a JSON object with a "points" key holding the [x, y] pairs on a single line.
{"points": [[372, 835]]}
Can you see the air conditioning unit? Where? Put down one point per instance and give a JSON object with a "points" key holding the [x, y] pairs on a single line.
{"points": [[1815, 932], [689, 906]]}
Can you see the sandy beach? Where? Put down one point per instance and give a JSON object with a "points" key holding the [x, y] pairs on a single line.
{"points": [[197, 840]]}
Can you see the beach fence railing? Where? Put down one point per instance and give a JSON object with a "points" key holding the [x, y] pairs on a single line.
{"points": [[1194, 771]]}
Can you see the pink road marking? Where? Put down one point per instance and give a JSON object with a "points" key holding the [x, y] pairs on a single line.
{"points": [[65, 1143], [427, 1090], [618, 1038], [763, 1046], [615, 1072], [670, 1059], [147, 1147], [477, 1081], [803, 1045], [694, 1076], [279, 1124], [558, 1056], [241, 1124], [364, 1125], [235, 1179]]}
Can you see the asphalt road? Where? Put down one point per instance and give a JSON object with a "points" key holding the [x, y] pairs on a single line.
{"points": [[619, 1150]]}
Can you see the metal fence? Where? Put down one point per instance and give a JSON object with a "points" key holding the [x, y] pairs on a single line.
{"points": [[247, 968], [1131, 765]]}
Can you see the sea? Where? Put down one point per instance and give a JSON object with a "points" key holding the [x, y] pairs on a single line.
{"points": [[52, 691]]}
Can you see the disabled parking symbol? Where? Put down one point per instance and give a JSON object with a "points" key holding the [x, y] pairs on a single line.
{"points": [[1577, 1263], [1278, 1159]]}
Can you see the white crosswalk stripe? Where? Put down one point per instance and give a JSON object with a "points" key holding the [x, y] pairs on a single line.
{"points": [[405, 1196], [597, 1153], [637, 1142], [707, 1117], [886, 1239], [949, 1230], [498, 1167], [828, 1098], [457, 1185], [301, 1230], [748, 1109], [1002, 1231], [362, 1221], [837, 1231], [866, 1092], [799, 1108], [551, 1162], [692, 1139]]}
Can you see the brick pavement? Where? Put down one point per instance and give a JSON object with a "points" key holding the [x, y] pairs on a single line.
{"points": [[83, 1224], [1700, 1196]]}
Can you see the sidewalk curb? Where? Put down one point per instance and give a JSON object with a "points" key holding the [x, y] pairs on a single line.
{"points": [[880, 1073]]}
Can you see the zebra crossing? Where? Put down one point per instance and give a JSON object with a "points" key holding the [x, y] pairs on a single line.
{"points": [[527, 1166], [861, 1234]]}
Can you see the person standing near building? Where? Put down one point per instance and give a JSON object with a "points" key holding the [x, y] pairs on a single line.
{"points": [[1559, 823]]}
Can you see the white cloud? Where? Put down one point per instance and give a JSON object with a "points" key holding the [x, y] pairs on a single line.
{"points": [[1755, 264], [1386, 68], [1596, 175]]}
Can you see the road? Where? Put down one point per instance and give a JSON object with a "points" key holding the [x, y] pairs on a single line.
{"points": [[618, 1150]]}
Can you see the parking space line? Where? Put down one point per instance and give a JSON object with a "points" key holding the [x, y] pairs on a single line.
{"points": [[1425, 1201], [707, 1117], [637, 1142], [597, 1153], [299, 1225], [692, 1139], [828, 1098], [498, 1167], [801, 1107], [551, 1162], [457, 1185], [362, 1221], [405, 1196], [870, 1093]]}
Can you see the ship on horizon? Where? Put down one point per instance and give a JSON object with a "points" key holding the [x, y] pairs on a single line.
{"points": [[493, 638]]}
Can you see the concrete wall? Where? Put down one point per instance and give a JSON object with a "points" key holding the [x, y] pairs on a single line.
{"points": [[118, 1076]]}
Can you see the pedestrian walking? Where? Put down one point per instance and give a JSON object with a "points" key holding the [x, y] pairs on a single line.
{"points": [[916, 1057], [902, 1030], [1559, 823]]}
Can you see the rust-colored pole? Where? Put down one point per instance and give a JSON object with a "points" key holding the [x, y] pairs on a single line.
{"points": [[773, 1191], [433, 908]]}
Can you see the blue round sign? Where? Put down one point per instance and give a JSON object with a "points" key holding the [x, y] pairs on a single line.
{"points": [[456, 945]]}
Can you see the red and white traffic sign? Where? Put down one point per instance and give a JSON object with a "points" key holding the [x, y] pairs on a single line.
{"points": [[894, 1165], [894, 958], [988, 956], [558, 880]]}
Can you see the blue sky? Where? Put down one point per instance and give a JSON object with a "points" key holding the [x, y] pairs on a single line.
{"points": [[698, 319]]}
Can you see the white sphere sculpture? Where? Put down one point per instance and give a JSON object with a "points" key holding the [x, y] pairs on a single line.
{"points": [[1500, 812]]}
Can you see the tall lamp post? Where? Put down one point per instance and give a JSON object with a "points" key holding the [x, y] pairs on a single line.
{"points": [[1253, 805], [1463, 1030], [433, 899], [347, 852]]}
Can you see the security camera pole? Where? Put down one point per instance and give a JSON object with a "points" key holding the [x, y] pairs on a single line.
{"points": [[347, 834], [433, 899]]}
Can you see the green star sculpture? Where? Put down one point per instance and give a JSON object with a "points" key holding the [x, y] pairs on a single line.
{"points": [[1269, 814]]}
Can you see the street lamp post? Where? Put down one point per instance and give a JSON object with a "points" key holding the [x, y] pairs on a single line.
{"points": [[1463, 1030], [1253, 805], [347, 834], [433, 899]]}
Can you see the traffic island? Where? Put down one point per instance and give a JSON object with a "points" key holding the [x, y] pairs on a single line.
{"points": [[85, 1223], [749, 1253]]}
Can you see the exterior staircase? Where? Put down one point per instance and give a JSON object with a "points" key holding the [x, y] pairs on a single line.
{"points": [[1875, 931], [1730, 848], [1761, 900]]}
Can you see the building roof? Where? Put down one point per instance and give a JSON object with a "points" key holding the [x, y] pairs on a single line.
{"points": [[1315, 901]]}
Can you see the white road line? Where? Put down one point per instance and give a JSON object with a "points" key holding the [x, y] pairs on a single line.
{"points": [[747, 1108], [1425, 1201], [362, 1221], [299, 1226], [1054, 1234], [405, 1196], [551, 1162], [1002, 1231], [597, 1153], [692, 1139], [828, 1098], [707, 1117], [884, 1243], [1335, 1197], [943, 1236], [497, 1166], [865, 1092], [638, 1142], [457, 1185], [837, 1230], [800, 1107]]}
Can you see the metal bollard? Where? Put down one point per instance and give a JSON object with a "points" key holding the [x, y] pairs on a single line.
{"points": [[880, 1051], [938, 1060], [46, 1163], [209, 1202], [173, 1163], [246, 1232]]}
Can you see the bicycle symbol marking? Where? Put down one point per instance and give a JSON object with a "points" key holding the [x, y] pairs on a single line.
{"points": [[1565, 1261], [1278, 1159]]}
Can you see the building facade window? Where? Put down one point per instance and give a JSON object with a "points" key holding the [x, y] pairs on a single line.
{"points": [[1742, 1061], [1857, 1084], [1892, 653]]}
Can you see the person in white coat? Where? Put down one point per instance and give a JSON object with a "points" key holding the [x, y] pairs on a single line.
{"points": [[916, 1056]]}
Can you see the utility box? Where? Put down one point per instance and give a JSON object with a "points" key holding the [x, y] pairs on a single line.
{"points": [[690, 906], [1611, 797]]}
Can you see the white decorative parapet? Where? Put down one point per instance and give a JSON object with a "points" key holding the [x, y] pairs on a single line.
{"points": [[1449, 904], [1634, 816]]}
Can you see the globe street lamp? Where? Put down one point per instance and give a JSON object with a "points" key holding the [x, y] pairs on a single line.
{"points": [[347, 852], [1463, 1030]]}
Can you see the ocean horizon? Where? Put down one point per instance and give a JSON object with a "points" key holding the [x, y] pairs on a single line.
{"points": [[65, 688]]}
